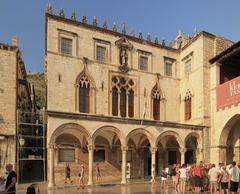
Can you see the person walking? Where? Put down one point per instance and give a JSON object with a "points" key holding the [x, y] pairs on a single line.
{"points": [[234, 178], [68, 173], [183, 178], [213, 177], [98, 173], [163, 176], [81, 177], [223, 179], [10, 186]]}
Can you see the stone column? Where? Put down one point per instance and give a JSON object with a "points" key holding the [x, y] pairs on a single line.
{"points": [[127, 104], [119, 112], [51, 166], [183, 150], [153, 167], [124, 164], [90, 164]]}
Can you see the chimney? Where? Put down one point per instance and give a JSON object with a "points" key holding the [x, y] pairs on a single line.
{"points": [[15, 41]]}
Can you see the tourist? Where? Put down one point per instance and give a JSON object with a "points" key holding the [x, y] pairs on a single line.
{"points": [[183, 177], [2, 184], [223, 179], [191, 177], [163, 176], [68, 173], [173, 175], [197, 178], [98, 173], [81, 177], [213, 177], [177, 178], [234, 178], [10, 186]]}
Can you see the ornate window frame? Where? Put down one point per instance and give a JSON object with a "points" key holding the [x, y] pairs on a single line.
{"points": [[148, 55], [105, 44]]}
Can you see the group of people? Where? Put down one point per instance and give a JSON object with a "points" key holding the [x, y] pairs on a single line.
{"points": [[81, 175], [8, 185], [203, 177]]}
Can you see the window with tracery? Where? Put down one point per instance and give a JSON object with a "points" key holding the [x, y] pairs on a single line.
{"points": [[188, 105], [122, 96], [156, 104], [84, 94]]}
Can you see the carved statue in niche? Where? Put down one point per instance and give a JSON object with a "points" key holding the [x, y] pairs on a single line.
{"points": [[123, 56], [124, 48]]}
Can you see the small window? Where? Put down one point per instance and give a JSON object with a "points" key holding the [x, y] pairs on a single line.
{"points": [[188, 67], [66, 46], [168, 69], [101, 54], [143, 63], [66, 155]]}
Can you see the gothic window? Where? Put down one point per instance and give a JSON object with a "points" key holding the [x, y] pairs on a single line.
{"points": [[122, 96], [115, 101], [84, 95], [188, 105], [156, 104], [131, 103]]}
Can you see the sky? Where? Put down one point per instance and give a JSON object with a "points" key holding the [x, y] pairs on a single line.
{"points": [[161, 18]]}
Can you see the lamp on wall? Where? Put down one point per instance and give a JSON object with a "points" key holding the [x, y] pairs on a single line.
{"points": [[22, 141]]}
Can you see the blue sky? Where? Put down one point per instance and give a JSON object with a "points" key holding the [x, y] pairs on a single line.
{"points": [[162, 18]]}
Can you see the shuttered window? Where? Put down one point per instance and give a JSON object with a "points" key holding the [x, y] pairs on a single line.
{"points": [[131, 103], [156, 109], [84, 98], [114, 101], [188, 108], [123, 102]]}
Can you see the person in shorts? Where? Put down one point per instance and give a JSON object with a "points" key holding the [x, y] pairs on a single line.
{"points": [[234, 178], [183, 178], [223, 179], [213, 177], [163, 176], [68, 173], [173, 175], [81, 177]]}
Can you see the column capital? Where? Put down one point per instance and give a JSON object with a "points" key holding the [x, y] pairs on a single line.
{"points": [[91, 147], [124, 148], [183, 150], [153, 149], [51, 145]]}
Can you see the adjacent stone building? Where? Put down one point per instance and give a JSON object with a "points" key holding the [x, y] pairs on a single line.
{"points": [[15, 94], [119, 100]]}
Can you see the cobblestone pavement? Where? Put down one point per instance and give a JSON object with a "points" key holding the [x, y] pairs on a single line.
{"points": [[140, 188]]}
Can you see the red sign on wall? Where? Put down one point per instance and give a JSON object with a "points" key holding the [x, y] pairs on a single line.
{"points": [[228, 93]]}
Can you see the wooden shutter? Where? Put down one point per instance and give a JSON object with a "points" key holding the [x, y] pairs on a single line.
{"points": [[156, 109], [188, 107], [114, 101], [123, 103], [131, 103], [84, 98]]}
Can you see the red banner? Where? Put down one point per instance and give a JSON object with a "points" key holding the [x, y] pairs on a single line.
{"points": [[228, 93]]}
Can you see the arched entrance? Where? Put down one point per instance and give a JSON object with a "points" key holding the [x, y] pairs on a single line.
{"points": [[140, 153], [69, 144], [229, 140], [191, 148], [107, 142]]}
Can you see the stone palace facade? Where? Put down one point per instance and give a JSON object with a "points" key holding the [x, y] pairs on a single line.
{"points": [[119, 99]]}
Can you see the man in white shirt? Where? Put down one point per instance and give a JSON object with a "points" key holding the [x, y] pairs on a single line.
{"points": [[213, 177], [234, 178]]}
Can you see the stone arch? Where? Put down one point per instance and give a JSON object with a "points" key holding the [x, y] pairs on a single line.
{"points": [[109, 128], [149, 135], [192, 134], [170, 133], [71, 128], [227, 129], [85, 79]]}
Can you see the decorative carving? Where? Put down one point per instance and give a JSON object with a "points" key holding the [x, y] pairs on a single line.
{"points": [[73, 17], [140, 36], [61, 14], [114, 27], [91, 147], [163, 42], [94, 21], [156, 40], [124, 28], [84, 20], [124, 48], [148, 37], [104, 24], [49, 9]]}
